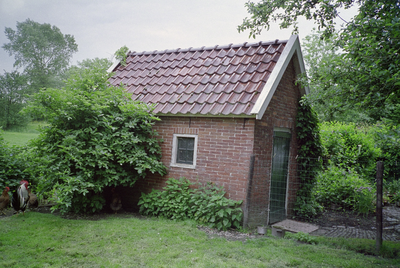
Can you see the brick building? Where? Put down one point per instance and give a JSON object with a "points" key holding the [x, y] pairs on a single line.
{"points": [[227, 116]]}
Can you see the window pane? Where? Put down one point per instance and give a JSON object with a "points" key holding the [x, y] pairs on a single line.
{"points": [[185, 150]]}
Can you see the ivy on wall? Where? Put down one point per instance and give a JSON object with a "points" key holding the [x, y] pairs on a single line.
{"points": [[309, 159]]}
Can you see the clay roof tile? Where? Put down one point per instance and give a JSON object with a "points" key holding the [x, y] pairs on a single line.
{"points": [[215, 80]]}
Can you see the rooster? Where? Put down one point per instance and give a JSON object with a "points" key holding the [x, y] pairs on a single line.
{"points": [[20, 198], [4, 200], [33, 201], [116, 203]]}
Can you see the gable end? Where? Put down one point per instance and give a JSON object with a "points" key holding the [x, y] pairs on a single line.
{"points": [[291, 50]]}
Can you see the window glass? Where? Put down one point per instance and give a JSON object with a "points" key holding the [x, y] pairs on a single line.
{"points": [[185, 150]]}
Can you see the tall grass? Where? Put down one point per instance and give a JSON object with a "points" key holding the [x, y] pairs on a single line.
{"points": [[46, 240]]}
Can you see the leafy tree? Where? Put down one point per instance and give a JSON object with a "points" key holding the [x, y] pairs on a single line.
{"points": [[12, 99], [42, 50], [321, 56], [288, 11], [97, 137], [370, 44], [97, 63]]}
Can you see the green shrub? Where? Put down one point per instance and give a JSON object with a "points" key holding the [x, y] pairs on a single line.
{"points": [[205, 204], [387, 137], [392, 191], [96, 137], [173, 202], [302, 237], [13, 165], [364, 199], [350, 147], [307, 207], [344, 187], [209, 206]]}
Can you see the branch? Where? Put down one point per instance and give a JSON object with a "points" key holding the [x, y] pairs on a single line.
{"points": [[342, 19]]}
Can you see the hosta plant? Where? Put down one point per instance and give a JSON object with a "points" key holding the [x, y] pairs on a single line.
{"points": [[182, 199]]}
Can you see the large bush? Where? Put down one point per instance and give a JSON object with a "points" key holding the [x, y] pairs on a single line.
{"points": [[97, 137], [180, 200], [350, 147]]}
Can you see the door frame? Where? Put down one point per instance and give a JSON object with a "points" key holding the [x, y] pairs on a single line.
{"points": [[286, 130]]}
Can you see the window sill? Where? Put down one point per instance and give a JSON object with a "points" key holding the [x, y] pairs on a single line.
{"points": [[183, 165]]}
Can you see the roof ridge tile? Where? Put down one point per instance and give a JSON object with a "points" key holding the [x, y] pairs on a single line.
{"points": [[216, 47]]}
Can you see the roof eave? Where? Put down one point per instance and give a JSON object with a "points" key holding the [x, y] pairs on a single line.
{"points": [[207, 115], [291, 49], [113, 66]]}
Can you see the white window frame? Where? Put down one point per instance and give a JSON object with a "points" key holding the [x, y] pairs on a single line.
{"points": [[175, 151]]}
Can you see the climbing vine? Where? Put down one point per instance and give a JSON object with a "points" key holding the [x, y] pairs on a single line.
{"points": [[309, 159]]}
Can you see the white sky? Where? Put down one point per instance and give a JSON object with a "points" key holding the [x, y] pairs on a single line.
{"points": [[100, 27]]}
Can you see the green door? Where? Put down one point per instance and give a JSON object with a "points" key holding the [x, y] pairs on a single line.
{"points": [[280, 159]]}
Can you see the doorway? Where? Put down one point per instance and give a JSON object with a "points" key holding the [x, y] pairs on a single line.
{"points": [[279, 176]]}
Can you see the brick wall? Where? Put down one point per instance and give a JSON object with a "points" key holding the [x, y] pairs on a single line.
{"points": [[225, 146], [281, 113]]}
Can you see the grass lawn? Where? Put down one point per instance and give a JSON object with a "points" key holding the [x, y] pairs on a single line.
{"points": [[20, 136], [46, 240]]}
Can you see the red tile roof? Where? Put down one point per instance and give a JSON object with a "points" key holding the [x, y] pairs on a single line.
{"points": [[220, 80]]}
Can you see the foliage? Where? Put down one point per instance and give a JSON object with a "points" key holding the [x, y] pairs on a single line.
{"points": [[326, 97], [81, 66], [209, 206], [365, 199], [392, 190], [350, 147], [206, 204], [13, 164], [42, 50], [302, 237], [371, 43], [18, 138], [288, 11], [309, 153], [387, 138], [172, 203], [344, 187], [97, 137], [12, 99], [121, 54]]}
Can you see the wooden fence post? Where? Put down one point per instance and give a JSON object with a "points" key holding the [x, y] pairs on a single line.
{"points": [[379, 179]]}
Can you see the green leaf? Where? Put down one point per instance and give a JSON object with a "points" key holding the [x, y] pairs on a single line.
{"points": [[226, 223]]}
